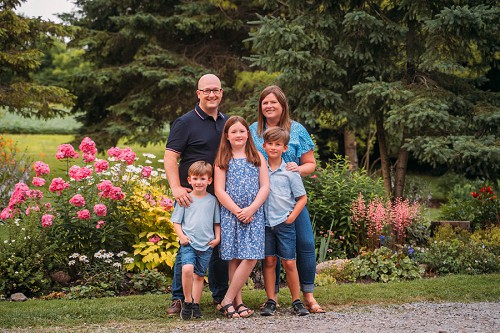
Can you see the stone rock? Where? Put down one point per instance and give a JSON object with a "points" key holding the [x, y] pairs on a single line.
{"points": [[338, 263], [60, 277], [18, 297]]}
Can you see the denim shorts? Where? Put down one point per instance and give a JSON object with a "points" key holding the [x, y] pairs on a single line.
{"points": [[199, 259], [281, 241]]}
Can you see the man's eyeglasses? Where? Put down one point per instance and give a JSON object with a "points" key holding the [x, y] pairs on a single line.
{"points": [[207, 92]]}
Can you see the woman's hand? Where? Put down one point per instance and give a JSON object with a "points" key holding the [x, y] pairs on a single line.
{"points": [[292, 166]]}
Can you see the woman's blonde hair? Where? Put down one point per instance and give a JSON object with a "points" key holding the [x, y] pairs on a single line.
{"points": [[225, 153], [285, 121]]}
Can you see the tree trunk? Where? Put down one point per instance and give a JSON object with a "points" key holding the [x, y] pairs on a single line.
{"points": [[401, 166], [350, 148], [383, 151]]}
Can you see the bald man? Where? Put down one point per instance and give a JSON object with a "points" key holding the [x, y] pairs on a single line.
{"points": [[195, 136]]}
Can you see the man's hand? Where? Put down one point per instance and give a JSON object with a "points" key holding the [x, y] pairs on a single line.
{"points": [[181, 195]]}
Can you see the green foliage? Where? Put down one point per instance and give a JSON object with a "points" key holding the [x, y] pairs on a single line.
{"points": [[453, 252], [15, 124], [383, 265], [330, 193], [20, 57], [149, 281]]}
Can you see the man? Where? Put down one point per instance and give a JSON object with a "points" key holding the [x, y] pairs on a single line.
{"points": [[195, 136]]}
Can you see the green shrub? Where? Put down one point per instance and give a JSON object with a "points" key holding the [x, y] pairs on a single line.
{"points": [[383, 265], [149, 281], [330, 192]]}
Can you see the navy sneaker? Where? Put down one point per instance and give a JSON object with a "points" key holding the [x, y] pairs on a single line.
{"points": [[299, 308], [197, 311], [269, 308], [187, 311]]}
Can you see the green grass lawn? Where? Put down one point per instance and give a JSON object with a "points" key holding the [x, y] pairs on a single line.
{"points": [[43, 147], [148, 311]]}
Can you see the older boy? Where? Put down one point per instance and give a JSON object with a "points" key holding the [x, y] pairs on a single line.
{"points": [[198, 229], [284, 203]]}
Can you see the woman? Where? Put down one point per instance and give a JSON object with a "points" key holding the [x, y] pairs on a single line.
{"points": [[273, 112]]}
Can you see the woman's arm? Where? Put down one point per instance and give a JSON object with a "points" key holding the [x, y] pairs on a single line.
{"points": [[220, 191]]}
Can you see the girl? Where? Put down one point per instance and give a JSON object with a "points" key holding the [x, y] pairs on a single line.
{"points": [[241, 183]]}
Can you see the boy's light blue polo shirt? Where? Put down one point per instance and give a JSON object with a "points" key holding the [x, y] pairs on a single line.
{"points": [[198, 220], [286, 186]]}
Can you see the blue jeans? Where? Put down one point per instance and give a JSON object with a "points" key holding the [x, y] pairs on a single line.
{"points": [[306, 257], [218, 277]]}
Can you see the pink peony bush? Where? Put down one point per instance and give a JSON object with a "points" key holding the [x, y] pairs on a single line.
{"points": [[89, 210]]}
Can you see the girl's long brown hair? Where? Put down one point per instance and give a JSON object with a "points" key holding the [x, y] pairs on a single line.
{"points": [[225, 152], [285, 120]]}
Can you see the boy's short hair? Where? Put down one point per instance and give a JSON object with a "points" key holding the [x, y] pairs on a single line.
{"points": [[200, 168], [276, 134]]}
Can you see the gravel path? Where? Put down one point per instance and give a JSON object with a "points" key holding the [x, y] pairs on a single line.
{"points": [[413, 317]]}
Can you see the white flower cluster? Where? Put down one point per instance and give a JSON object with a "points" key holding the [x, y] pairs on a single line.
{"points": [[77, 256]]}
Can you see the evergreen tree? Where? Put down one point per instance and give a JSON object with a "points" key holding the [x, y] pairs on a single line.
{"points": [[414, 68], [147, 57], [22, 41]]}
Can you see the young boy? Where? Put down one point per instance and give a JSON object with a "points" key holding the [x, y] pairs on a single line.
{"points": [[284, 203], [198, 229]]}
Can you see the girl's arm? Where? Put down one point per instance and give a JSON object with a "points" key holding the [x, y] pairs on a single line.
{"points": [[246, 214], [307, 164], [220, 191]]}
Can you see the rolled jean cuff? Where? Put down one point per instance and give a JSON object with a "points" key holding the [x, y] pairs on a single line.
{"points": [[307, 288]]}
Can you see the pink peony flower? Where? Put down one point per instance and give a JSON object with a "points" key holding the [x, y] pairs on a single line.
{"points": [[78, 200], [58, 185], [88, 158], [84, 214], [88, 146], [19, 195], [116, 193], [101, 165], [146, 171], [154, 239], [66, 151], [128, 156], [100, 210], [47, 220], [7, 213], [114, 152], [41, 168], [99, 224], [167, 203], [37, 181]]}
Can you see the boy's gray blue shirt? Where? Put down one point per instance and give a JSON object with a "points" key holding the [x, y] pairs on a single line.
{"points": [[198, 220], [286, 187]]}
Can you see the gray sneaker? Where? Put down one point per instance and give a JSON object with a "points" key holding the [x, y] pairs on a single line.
{"points": [[299, 308], [269, 308]]}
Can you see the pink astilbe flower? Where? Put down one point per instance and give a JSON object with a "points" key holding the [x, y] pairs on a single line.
{"points": [[58, 185], [88, 158], [47, 220], [78, 200], [146, 171], [84, 214], [101, 165], [37, 181], [376, 217], [402, 215], [154, 239], [66, 151], [19, 195], [358, 209], [41, 168], [100, 224], [100, 210], [88, 146]]}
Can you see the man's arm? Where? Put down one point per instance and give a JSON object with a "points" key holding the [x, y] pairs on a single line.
{"points": [[181, 194]]}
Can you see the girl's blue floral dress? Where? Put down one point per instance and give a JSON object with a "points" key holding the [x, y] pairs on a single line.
{"points": [[239, 240]]}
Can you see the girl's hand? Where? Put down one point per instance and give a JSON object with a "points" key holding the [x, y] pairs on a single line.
{"points": [[245, 215], [292, 166]]}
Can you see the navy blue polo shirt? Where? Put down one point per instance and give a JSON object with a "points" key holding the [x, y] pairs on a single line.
{"points": [[196, 137]]}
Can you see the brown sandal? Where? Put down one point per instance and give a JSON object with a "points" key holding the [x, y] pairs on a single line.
{"points": [[244, 308], [224, 310], [315, 308]]}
